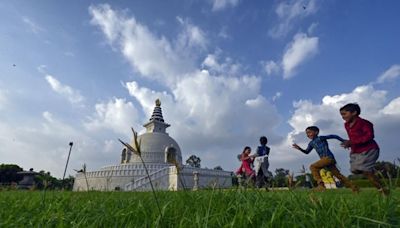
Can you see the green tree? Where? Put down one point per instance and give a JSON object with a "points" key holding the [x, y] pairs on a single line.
{"points": [[193, 161], [8, 173], [44, 180], [280, 177]]}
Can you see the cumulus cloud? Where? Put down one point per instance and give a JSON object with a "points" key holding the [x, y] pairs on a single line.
{"points": [[191, 35], [152, 56], [117, 115], [227, 66], [393, 108], [390, 74], [289, 12], [325, 114], [44, 145], [271, 67], [218, 5], [72, 95], [300, 49]]}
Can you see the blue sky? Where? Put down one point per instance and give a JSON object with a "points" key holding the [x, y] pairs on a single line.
{"points": [[226, 71]]}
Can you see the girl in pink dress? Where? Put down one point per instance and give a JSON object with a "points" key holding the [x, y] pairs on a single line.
{"points": [[247, 160]]}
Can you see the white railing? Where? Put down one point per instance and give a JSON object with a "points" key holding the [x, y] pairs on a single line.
{"points": [[145, 181]]}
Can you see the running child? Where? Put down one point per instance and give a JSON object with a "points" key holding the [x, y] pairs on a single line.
{"points": [[327, 160], [364, 150], [247, 160]]}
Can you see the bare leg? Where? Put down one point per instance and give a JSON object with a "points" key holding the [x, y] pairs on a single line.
{"points": [[346, 182], [317, 166]]}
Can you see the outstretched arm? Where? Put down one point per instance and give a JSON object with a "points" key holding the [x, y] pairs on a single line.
{"points": [[333, 137], [306, 151]]}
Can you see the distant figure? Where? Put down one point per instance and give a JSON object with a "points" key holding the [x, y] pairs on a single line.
{"points": [[261, 163], [247, 160], [327, 160], [364, 150], [123, 156]]}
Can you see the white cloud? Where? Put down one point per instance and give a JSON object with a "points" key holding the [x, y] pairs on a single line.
{"points": [[393, 108], [223, 4], [223, 33], [271, 67], [312, 28], [42, 69], [43, 145], [191, 35], [276, 96], [390, 74], [34, 27], [300, 49], [153, 57], [72, 95], [117, 115], [227, 66], [289, 12]]}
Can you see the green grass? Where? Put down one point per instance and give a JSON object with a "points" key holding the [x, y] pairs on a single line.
{"points": [[208, 208]]}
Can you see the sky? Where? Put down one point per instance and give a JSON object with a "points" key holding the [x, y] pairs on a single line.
{"points": [[226, 72]]}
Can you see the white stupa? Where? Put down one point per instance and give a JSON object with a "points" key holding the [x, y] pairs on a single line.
{"points": [[157, 147]]}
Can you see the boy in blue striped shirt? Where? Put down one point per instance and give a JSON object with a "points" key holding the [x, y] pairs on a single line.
{"points": [[327, 160]]}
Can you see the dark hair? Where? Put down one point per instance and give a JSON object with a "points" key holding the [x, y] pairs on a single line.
{"points": [[263, 140], [351, 107], [313, 128], [245, 148]]}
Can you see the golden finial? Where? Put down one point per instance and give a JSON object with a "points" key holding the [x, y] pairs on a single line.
{"points": [[158, 102]]}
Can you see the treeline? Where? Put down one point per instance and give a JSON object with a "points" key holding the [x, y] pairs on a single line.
{"points": [[9, 179]]}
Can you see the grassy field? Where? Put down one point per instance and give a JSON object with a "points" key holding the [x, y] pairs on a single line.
{"points": [[208, 208]]}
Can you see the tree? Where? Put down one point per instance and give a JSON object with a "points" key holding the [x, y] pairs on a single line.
{"points": [[218, 168], [8, 173], [193, 161], [280, 177], [68, 183]]}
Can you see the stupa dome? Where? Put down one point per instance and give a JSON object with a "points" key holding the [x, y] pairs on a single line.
{"points": [[154, 147]]}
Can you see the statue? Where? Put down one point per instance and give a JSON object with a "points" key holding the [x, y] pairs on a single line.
{"points": [[123, 156]]}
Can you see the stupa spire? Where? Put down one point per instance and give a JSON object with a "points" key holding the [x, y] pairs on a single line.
{"points": [[157, 112], [156, 122]]}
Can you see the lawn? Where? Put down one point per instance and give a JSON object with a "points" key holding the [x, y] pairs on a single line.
{"points": [[207, 208]]}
